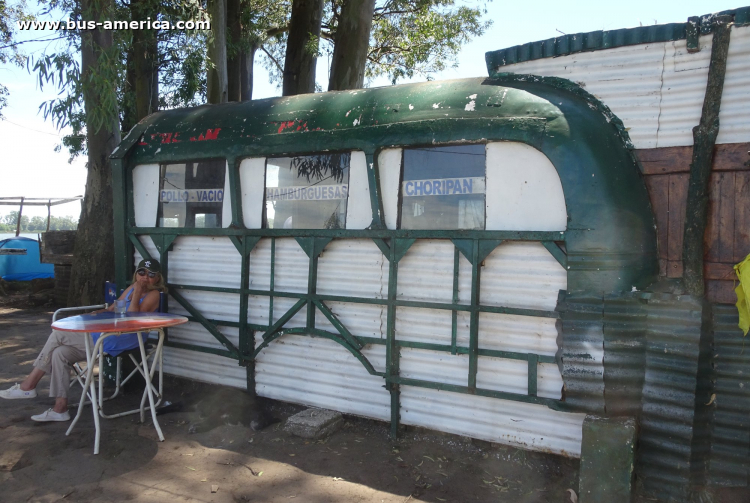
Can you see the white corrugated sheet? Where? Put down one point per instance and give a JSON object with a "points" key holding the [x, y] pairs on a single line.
{"points": [[515, 274], [658, 89], [521, 274], [290, 267], [735, 100], [527, 426], [322, 373], [360, 255], [204, 261], [194, 333], [204, 367], [147, 243]]}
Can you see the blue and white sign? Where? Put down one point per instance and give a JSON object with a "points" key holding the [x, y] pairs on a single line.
{"points": [[192, 196], [443, 187], [307, 193]]}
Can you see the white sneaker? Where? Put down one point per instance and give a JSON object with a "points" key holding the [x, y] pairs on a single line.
{"points": [[15, 392], [51, 415]]}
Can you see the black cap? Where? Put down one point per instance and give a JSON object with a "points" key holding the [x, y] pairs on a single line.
{"points": [[151, 265]]}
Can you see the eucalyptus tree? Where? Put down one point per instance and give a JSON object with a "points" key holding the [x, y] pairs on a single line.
{"points": [[10, 51], [302, 47], [398, 39], [350, 45], [89, 97]]}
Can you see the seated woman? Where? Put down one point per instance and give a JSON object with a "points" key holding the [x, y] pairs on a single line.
{"points": [[63, 349]]}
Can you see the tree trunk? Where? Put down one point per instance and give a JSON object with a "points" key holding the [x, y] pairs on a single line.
{"points": [[145, 60], [704, 140], [234, 57], [94, 247], [128, 103], [216, 81], [351, 42], [302, 47], [246, 81]]}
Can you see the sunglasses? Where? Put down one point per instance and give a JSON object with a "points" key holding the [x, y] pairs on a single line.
{"points": [[142, 272]]}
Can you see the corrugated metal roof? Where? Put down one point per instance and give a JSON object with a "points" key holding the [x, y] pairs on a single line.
{"points": [[657, 90], [729, 461], [655, 87], [598, 40]]}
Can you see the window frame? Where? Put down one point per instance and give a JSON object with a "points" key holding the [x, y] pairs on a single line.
{"points": [[400, 203], [264, 223]]}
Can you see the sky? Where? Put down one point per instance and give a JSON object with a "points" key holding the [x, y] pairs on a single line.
{"points": [[32, 168]]}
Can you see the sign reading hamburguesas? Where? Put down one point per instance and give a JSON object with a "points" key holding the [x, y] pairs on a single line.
{"points": [[192, 196], [307, 193], [443, 187]]}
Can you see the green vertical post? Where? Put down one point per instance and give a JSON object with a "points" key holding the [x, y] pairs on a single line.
{"points": [[120, 211], [164, 246], [373, 181], [474, 320], [533, 373], [233, 166], [391, 349], [312, 284]]}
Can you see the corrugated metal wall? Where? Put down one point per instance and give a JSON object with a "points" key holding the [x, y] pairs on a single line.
{"points": [[322, 373], [657, 89], [729, 462], [669, 395]]}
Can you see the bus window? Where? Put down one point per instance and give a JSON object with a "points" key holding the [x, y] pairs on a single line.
{"points": [[443, 188], [192, 194], [307, 192]]}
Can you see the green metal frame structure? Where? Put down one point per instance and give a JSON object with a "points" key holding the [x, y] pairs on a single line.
{"points": [[609, 246]]}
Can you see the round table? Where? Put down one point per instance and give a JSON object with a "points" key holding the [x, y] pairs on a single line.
{"points": [[111, 325]]}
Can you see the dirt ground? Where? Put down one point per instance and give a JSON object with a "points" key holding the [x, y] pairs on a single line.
{"points": [[212, 455], [210, 446]]}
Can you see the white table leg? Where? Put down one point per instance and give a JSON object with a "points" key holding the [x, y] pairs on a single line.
{"points": [[147, 377], [89, 385]]}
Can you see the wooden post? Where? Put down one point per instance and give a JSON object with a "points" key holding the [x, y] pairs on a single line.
{"points": [[49, 212], [18, 223], [704, 140]]}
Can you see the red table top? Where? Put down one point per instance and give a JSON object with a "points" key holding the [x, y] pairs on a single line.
{"points": [[113, 322]]}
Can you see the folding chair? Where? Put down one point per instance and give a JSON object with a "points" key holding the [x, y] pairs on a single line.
{"points": [[152, 352]]}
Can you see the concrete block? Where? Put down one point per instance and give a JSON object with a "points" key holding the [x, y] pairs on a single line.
{"points": [[314, 423], [607, 460]]}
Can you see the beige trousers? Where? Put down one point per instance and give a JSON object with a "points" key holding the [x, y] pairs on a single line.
{"points": [[62, 350]]}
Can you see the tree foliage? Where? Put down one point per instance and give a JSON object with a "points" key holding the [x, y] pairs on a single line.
{"points": [[409, 38], [10, 51], [419, 37], [36, 224]]}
